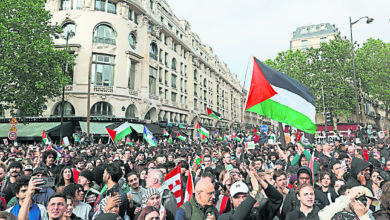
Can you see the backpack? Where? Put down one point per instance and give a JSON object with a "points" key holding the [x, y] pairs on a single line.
{"points": [[187, 210]]}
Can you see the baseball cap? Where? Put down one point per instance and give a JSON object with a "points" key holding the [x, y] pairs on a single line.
{"points": [[28, 167], [238, 187], [368, 193]]}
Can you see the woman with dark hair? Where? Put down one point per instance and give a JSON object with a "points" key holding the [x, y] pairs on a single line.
{"points": [[149, 213], [384, 212], [142, 177], [65, 178], [69, 215], [375, 183]]}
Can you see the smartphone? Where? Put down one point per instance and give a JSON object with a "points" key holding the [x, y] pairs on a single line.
{"points": [[47, 182]]}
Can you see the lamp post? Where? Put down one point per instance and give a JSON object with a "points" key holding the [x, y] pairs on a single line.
{"points": [[369, 20], [69, 34]]}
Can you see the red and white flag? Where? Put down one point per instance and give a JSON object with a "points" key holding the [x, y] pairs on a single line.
{"points": [[173, 180], [311, 166], [190, 187]]}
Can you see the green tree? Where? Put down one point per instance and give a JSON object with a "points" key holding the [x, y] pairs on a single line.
{"points": [[31, 68], [373, 67]]}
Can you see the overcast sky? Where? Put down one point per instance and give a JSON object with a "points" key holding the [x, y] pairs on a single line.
{"points": [[237, 30]]}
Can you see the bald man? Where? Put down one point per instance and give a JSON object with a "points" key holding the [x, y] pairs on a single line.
{"points": [[204, 195]]}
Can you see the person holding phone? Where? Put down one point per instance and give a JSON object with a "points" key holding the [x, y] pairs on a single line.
{"points": [[360, 172]]}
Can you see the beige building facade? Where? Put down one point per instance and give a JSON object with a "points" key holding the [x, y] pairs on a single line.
{"points": [[312, 36], [144, 64]]}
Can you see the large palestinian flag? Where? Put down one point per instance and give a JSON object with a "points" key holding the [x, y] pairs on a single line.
{"points": [[213, 114], [118, 131], [281, 98]]}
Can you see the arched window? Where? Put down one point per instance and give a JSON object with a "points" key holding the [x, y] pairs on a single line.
{"points": [[68, 109], [130, 111], [70, 28], [153, 51], [205, 82], [173, 65], [132, 40], [104, 34], [101, 109]]}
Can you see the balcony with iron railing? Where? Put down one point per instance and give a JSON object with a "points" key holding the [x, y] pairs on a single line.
{"points": [[104, 40]]}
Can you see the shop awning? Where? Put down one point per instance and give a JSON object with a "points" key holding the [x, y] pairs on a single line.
{"points": [[94, 127], [155, 129], [139, 128], [28, 131]]}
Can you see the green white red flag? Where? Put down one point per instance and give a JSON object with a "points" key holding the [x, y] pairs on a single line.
{"points": [[165, 133], [181, 137], [117, 131]]}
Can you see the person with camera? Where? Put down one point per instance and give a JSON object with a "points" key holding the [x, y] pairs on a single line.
{"points": [[42, 196], [346, 205], [25, 188]]}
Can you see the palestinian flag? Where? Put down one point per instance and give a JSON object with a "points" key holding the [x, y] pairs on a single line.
{"points": [[236, 138], [44, 137], [165, 133], [224, 137], [202, 130], [170, 139], [281, 98], [256, 132], [204, 138], [181, 137], [213, 114], [219, 138], [128, 141], [117, 131]]}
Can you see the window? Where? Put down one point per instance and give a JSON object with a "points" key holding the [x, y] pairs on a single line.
{"points": [[195, 103], [68, 27], [173, 81], [111, 7], [104, 34], [166, 58], [173, 64], [152, 80], [173, 97], [323, 40], [102, 70], [132, 40], [2, 112], [304, 44], [135, 18], [77, 4], [153, 51], [160, 55], [130, 111], [131, 82], [195, 90], [100, 5], [101, 109], [65, 5], [130, 14], [68, 109], [195, 75]]}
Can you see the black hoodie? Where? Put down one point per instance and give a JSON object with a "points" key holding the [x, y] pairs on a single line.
{"points": [[357, 166], [291, 202]]}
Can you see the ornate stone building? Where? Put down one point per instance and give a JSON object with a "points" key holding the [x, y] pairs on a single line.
{"points": [[144, 64]]}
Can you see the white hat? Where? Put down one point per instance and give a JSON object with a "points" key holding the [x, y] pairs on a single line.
{"points": [[238, 187]]}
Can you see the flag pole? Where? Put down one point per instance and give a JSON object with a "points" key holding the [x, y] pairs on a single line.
{"points": [[243, 94]]}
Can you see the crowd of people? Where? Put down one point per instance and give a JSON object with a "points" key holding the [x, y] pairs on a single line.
{"points": [[121, 181]]}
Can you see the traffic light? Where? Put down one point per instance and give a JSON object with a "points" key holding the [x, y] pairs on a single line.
{"points": [[329, 118]]}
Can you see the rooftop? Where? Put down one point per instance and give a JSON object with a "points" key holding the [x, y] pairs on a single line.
{"points": [[314, 31]]}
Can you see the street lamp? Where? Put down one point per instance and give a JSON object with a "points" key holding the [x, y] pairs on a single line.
{"points": [[369, 20], [69, 34]]}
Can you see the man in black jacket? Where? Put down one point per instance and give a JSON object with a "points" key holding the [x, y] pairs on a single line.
{"points": [[291, 202], [244, 201], [360, 172]]}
